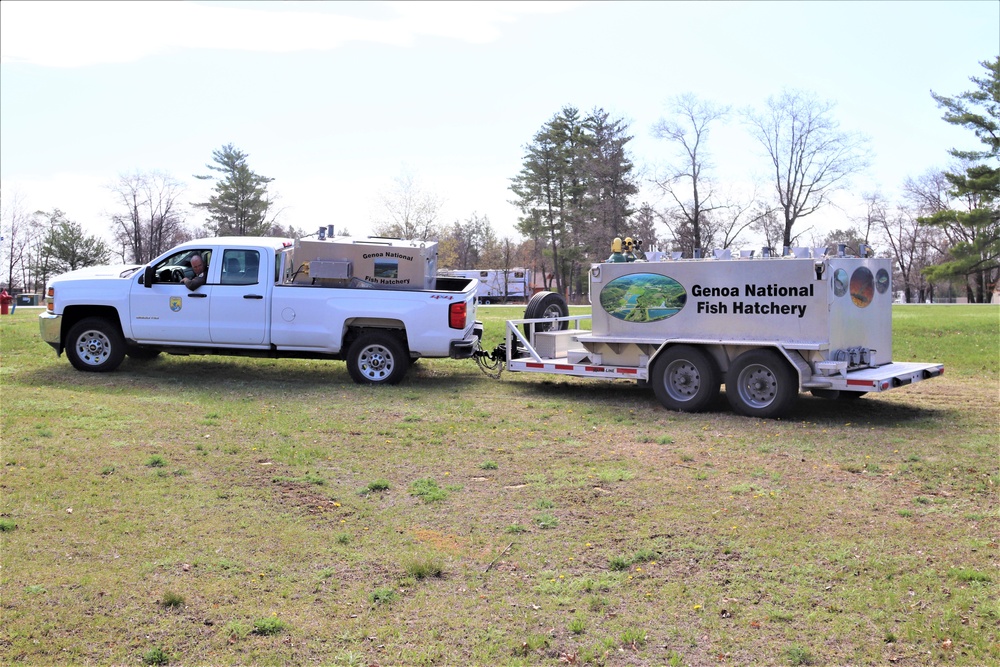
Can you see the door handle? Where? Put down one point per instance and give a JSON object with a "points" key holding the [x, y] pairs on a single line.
{"points": [[253, 296], [196, 295]]}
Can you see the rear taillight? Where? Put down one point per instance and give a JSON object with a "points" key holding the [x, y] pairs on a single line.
{"points": [[457, 313]]}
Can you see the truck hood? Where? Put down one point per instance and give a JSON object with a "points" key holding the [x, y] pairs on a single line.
{"points": [[104, 271]]}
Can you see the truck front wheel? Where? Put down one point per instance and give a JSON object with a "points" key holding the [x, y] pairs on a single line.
{"points": [[376, 358], [760, 383], [95, 344], [685, 378]]}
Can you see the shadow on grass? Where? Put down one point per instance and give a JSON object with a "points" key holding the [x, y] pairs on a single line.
{"points": [[208, 373], [865, 412], [262, 376]]}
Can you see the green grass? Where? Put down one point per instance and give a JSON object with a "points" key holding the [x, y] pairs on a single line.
{"points": [[269, 625], [606, 530]]}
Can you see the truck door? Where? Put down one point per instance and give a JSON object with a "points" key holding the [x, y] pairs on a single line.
{"points": [[238, 312], [167, 311]]}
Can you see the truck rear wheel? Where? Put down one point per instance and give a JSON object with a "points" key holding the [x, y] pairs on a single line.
{"points": [[760, 383], [545, 305], [94, 344], [685, 378], [376, 358]]}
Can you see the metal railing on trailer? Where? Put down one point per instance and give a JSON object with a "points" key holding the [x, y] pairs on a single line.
{"points": [[523, 356]]}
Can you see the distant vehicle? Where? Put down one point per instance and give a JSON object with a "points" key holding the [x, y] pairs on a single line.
{"points": [[499, 285]]}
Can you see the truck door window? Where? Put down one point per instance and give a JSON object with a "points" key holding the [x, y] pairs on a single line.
{"points": [[178, 266], [240, 267]]}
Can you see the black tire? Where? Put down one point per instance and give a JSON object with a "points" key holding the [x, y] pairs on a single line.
{"points": [[761, 383], [547, 305], [377, 358], [685, 378], [95, 345], [141, 353]]}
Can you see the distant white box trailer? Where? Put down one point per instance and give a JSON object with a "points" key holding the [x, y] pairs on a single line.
{"points": [[499, 285]]}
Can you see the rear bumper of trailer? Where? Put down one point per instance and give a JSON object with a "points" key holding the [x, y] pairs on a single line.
{"points": [[882, 378]]}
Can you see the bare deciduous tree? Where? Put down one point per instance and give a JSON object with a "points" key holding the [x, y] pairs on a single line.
{"points": [[17, 232], [811, 158], [913, 247], [768, 224], [149, 218], [686, 182], [410, 212]]}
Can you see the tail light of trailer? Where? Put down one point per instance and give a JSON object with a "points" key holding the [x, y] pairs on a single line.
{"points": [[457, 315]]}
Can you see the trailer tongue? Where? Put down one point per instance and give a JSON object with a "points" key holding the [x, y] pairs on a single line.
{"points": [[768, 328]]}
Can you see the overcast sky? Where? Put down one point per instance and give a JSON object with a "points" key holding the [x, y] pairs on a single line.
{"points": [[335, 100]]}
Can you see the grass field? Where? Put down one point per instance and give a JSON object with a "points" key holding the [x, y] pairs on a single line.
{"points": [[217, 511]]}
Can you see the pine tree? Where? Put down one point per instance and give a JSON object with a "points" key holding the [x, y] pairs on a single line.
{"points": [[241, 203], [973, 233], [574, 191]]}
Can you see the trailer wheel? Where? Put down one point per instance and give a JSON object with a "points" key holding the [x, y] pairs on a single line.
{"points": [[94, 344], [760, 383], [685, 378], [376, 358], [545, 305]]}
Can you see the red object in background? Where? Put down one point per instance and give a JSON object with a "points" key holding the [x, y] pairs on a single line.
{"points": [[5, 301]]}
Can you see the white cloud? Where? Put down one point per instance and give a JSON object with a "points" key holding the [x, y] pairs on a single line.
{"points": [[79, 34]]}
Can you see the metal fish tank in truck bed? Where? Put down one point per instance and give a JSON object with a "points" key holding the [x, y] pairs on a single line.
{"points": [[767, 327]]}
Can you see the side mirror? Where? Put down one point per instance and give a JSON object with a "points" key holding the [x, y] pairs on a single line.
{"points": [[148, 276]]}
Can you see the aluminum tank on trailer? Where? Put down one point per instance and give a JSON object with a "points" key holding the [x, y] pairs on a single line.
{"points": [[837, 307]]}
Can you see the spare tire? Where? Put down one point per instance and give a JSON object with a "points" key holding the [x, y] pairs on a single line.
{"points": [[545, 305]]}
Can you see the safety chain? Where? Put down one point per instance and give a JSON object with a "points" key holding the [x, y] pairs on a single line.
{"points": [[491, 363]]}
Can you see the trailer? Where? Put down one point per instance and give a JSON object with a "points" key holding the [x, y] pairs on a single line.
{"points": [[499, 285], [768, 328]]}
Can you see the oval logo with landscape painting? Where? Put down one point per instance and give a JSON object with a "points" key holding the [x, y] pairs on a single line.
{"points": [[643, 297]]}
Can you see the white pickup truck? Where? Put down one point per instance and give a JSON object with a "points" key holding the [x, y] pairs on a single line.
{"points": [[260, 300]]}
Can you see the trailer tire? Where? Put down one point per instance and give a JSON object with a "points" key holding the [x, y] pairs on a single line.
{"points": [[377, 358], [685, 378], [760, 383], [545, 305], [95, 345]]}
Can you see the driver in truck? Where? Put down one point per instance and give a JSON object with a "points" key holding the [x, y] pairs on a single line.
{"points": [[198, 266]]}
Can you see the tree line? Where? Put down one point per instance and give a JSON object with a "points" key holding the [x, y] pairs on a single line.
{"points": [[576, 187], [576, 191], [148, 217]]}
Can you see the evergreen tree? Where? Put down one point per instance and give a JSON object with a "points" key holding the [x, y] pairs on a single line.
{"points": [[973, 233], [241, 203], [574, 192]]}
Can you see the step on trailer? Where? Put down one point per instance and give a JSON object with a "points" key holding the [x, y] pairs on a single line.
{"points": [[766, 327]]}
